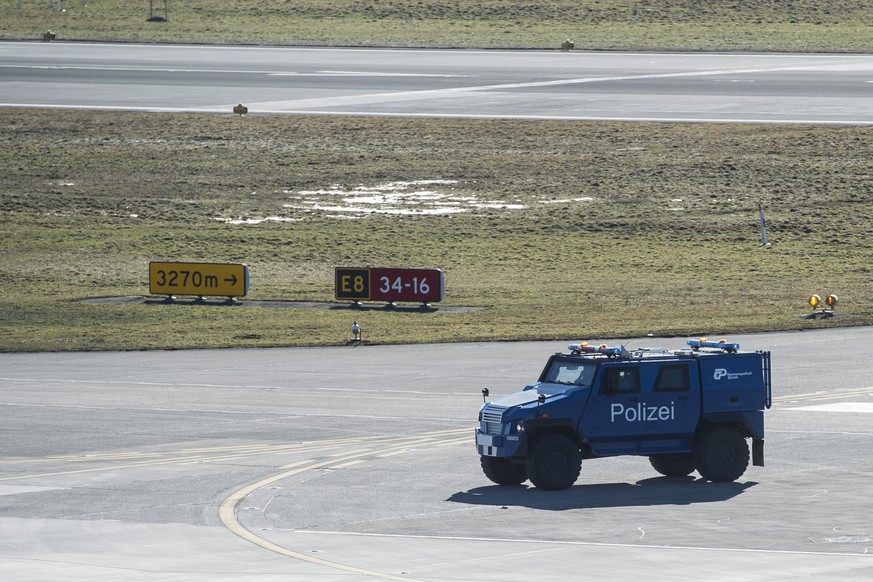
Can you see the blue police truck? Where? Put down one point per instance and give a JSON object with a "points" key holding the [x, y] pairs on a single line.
{"points": [[687, 409]]}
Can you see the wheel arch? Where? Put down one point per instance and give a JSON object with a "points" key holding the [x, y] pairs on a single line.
{"points": [[748, 424], [535, 429]]}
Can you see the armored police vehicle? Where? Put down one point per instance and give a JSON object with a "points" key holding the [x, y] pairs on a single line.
{"points": [[688, 409]]}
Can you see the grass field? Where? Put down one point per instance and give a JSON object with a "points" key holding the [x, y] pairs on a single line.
{"points": [[769, 25], [556, 229]]}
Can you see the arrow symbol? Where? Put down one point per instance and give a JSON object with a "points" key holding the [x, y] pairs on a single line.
{"points": [[232, 280]]}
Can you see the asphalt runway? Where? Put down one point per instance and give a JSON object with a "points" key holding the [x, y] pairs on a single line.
{"points": [[691, 87], [358, 463]]}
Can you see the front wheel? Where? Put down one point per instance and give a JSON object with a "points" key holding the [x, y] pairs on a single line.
{"points": [[680, 465], [722, 454], [502, 471], [554, 462]]}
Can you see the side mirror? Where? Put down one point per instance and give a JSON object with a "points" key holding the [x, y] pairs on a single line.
{"points": [[485, 394]]}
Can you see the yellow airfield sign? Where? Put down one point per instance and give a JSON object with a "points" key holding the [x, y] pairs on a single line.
{"points": [[201, 279]]}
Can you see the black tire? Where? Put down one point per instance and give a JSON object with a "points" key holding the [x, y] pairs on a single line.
{"points": [[721, 454], [502, 471], [554, 462], [680, 465]]}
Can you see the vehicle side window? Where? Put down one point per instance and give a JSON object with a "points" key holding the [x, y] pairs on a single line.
{"points": [[672, 379], [620, 381]]}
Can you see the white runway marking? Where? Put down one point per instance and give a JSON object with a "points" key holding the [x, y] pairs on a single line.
{"points": [[853, 407]]}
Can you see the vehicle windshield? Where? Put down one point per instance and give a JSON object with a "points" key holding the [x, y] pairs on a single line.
{"points": [[570, 372]]}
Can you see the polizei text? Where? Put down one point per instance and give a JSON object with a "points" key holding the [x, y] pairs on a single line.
{"points": [[642, 413]]}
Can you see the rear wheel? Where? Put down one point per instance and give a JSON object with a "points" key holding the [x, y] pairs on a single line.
{"points": [[502, 471], [680, 465], [554, 462], [722, 454]]}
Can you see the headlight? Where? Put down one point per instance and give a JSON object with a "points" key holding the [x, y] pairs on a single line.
{"points": [[519, 427]]}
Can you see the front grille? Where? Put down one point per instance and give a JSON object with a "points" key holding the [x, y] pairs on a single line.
{"points": [[492, 417]]}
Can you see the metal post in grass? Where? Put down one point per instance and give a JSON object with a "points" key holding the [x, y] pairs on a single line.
{"points": [[164, 18], [764, 242]]}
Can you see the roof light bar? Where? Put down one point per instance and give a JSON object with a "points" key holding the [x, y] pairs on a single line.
{"points": [[584, 348], [720, 344]]}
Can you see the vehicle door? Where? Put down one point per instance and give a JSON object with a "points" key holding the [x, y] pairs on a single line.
{"points": [[641, 408]]}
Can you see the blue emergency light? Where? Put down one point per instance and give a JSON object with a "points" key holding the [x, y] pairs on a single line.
{"points": [[603, 349], [721, 345]]}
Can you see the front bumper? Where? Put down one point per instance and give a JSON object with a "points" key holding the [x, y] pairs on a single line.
{"points": [[493, 445]]}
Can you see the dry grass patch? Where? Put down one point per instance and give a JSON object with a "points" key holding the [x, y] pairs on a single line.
{"points": [[557, 229], [801, 25]]}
